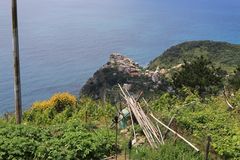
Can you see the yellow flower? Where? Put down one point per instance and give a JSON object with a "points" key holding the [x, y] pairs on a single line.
{"points": [[64, 99]]}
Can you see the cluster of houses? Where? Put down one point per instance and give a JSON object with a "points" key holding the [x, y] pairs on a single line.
{"points": [[128, 66]]}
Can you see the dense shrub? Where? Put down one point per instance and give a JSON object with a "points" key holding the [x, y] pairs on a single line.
{"points": [[73, 133], [200, 75], [95, 110], [69, 141], [202, 118], [50, 132], [58, 101], [169, 151], [234, 80], [222, 54], [86, 110]]}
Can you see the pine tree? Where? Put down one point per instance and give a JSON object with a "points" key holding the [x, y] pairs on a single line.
{"points": [[201, 75]]}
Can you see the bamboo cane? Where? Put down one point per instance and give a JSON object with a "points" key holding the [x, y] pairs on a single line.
{"points": [[169, 124], [140, 123], [175, 133], [149, 129], [148, 126], [160, 134], [144, 120]]}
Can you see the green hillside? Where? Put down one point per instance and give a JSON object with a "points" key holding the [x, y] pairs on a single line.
{"points": [[221, 53]]}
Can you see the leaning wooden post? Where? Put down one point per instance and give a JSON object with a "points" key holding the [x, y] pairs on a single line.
{"points": [[17, 81], [174, 132], [169, 125], [207, 147], [129, 149], [116, 138]]}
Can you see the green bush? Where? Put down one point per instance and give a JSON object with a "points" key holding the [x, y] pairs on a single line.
{"points": [[203, 118], [234, 80], [69, 141], [200, 75], [86, 110], [169, 151]]}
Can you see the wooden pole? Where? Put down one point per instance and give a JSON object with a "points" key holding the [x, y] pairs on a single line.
{"points": [[17, 81], [207, 147], [169, 124], [116, 138], [149, 130], [125, 153], [160, 134], [129, 148], [134, 133], [174, 132]]}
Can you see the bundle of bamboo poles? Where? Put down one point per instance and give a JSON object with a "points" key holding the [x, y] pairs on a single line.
{"points": [[151, 131]]}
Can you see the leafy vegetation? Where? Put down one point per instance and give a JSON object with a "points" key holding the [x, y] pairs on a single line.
{"points": [[86, 110], [65, 141], [222, 54], [234, 80], [81, 131], [77, 132], [57, 101], [68, 133], [64, 127], [200, 75], [169, 151], [198, 119]]}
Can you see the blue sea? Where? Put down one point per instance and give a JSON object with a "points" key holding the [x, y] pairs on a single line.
{"points": [[63, 42]]}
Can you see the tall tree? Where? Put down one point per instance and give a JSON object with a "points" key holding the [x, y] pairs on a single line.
{"points": [[200, 75], [234, 80], [17, 79]]}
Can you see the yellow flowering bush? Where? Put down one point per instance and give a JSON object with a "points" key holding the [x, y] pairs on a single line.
{"points": [[58, 101], [41, 104]]}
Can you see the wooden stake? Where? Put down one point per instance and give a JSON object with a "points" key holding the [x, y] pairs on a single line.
{"points": [[207, 147], [169, 124], [116, 140], [160, 134], [17, 81], [140, 94], [130, 112], [174, 132], [125, 153], [129, 149]]}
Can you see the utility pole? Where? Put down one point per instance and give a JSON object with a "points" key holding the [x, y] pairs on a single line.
{"points": [[17, 79]]}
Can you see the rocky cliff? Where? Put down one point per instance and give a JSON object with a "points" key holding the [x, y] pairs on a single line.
{"points": [[121, 69]]}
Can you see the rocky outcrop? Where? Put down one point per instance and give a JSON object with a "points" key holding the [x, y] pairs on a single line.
{"points": [[121, 69]]}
